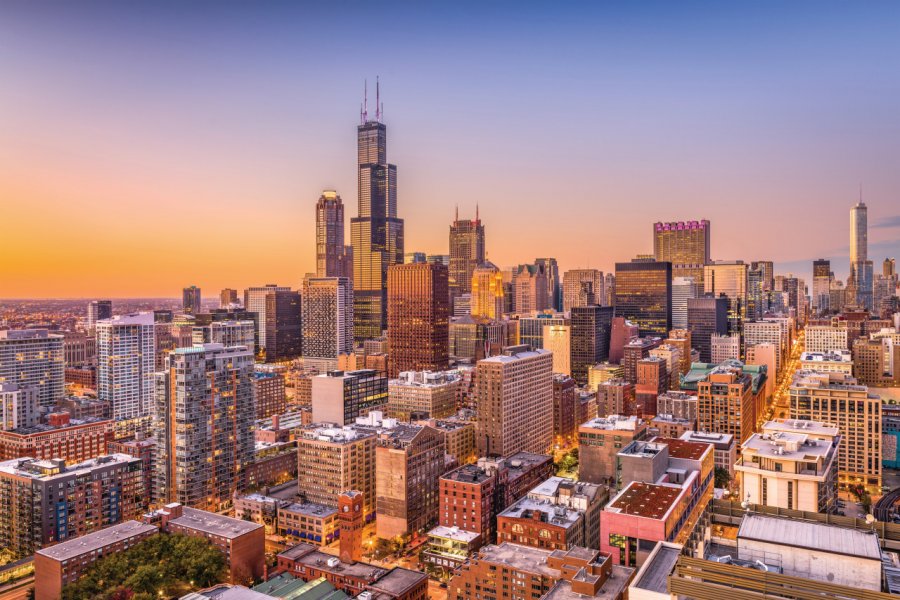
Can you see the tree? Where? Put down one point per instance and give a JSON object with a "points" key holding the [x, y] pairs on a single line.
{"points": [[722, 478]]}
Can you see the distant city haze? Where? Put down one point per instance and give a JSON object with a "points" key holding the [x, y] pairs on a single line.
{"points": [[145, 148]]}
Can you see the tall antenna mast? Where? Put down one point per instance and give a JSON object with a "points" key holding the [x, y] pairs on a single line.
{"points": [[364, 111], [377, 100]]}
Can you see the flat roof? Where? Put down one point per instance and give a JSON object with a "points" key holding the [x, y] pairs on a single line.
{"points": [[815, 427], [454, 533], [614, 423], [398, 580], [766, 445], [554, 514], [684, 449], [526, 558], [654, 575], [214, 524], [611, 588], [647, 500], [810, 534], [97, 540], [311, 556], [310, 509], [508, 358]]}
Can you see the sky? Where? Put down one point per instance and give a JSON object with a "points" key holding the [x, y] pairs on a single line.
{"points": [[145, 147]]}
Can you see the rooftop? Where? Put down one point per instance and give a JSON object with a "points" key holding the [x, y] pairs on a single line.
{"points": [[684, 449], [454, 533], [843, 356], [46, 428], [554, 514], [614, 423], [97, 540], [647, 500], [310, 556], [708, 437], [143, 318], [397, 581], [654, 575], [810, 534], [27, 334], [811, 427], [47, 469], [468, 474], [214, 523], [510, 358], [310, 509]]}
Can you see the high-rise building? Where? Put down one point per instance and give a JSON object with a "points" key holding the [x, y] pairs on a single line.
{"points": [[558, 340], [515, 402], [418, 317], [644, 295], [416, 395], [255, 302], [591, 332], [126, 361], [228, 298], [34, 357], [97, 311], [582, 287], [466, 253], [376, 233], [725, 347], [822, 280], [731, 279], [284, 332], [825, 338], [46, 502], [860, 266], [767, 332], [685, 244], [19, 406], [227, 333], [837, 398], [332, 258], [726, 402], [191, 300], [341, 396], [530, 289], [327, 319], [707, 317], [554, 285], [487, 292], [203, 423], [409, 462], [531, 329], [683, 288]]}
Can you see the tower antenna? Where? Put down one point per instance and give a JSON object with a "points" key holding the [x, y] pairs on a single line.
{"points": [[457, 213], [477, 218], [377, 100], [364, 112]]}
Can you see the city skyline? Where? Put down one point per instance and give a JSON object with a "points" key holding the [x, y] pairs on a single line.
{"points": [[247, 144]]}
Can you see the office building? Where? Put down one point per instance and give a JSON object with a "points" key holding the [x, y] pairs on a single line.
{"points": [[724, 447], [678, 404], [792, 465], [583, 287], [823, 278], [730, 279], [599, 441], [558, 514], [601, 372], [558, 340], [228, 298], [768, 332], [65, 563], [191, 301], [644, 295], [876, 361], [327, 322], [409, 462], [685, 244], [19, 406], [766, 355], [46, 502], [726, 402], [591, 331], [97, 310], [836, 361], [531, 289], [333, 258], [652, 380], [515, 402], [333, 459], [268, 394], [707, 317], [70, 440], [126, 361], [415, 395], [466, 253], [825, 338], [255, 299], [671, 354], [861, 271], [837, 399], [203, 425], [725, 347], [683, 289], [34, 357], [418, 316], [227, 333], [565, 410], [636, 350], [342, 396], [284, 332], [554, 284], [376, 233], [487, 292], [531, 329], [539, 573]]}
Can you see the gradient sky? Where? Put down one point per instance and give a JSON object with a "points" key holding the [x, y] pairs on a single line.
{"points": [[148, 147]]}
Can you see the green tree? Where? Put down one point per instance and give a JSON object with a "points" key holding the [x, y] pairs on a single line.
{"points": [[722, 478]]}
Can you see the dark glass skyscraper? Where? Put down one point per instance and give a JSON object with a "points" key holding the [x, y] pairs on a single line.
{"points": [[591, 331], [644, 295], [332, 257], [466, 253], [707, 316], [376, 234]]}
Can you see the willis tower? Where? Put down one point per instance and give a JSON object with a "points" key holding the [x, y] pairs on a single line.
{"points": [[376, 233]]}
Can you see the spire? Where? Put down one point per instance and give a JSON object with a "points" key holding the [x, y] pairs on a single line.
{"points": [[477, 218], [364, 111], [456, 219], [378, 106]]}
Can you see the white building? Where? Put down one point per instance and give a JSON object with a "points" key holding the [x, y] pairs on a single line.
{"points": [[683, 288], [766, 332], [824, 338], [228, 333], [19, 407], [836, 361], [725, 347], [327, 322], [423, 395], [558, 340], [255, 301], [126, 361]]}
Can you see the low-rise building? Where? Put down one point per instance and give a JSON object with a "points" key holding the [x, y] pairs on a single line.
{"points": [[599, 441], [724, 445], [670, 426], [833, 361], [73, 441]]}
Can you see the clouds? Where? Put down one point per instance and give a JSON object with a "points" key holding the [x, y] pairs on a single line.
{"points": [[887, 222]]}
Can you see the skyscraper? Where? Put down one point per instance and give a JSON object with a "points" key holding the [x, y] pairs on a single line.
{"points": [[34, 358], [644, 295], [706, 317], [332, 259], [591, 331], [685, 244], [554, 287], [97, 311], [578, 287], [227, 298], [255, 301], [327, 318], [377, 233], [203, 422], [683, 288], [418, 317], [530, 289], [732, 279], [860, 265], [284, 334], [466, 253], [487, 292], [190, 300], [126, 361]]}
